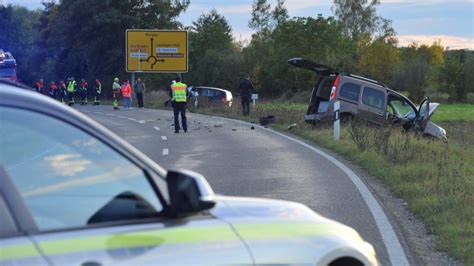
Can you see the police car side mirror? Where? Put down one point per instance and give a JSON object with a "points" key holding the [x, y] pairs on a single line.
{"points": [[189, 193]]}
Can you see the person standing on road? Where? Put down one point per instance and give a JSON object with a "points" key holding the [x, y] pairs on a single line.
{"points": [[246, 89], [39, 85], [127, 95], [139, 91], [71, 90], [98, 91], [83, 91], [62, 91], [53, 90], [117, 93], [179, 93]]}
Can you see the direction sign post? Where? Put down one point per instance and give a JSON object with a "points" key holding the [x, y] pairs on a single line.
{"points": [[156, 51]]}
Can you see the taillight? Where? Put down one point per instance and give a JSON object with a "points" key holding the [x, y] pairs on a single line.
{"points": [[334, 89]]}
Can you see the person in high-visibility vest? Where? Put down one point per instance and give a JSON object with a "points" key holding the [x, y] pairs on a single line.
{"points": [[98, 91], [39, 85], [127, 95], [62, 91], [71, 90], [179, 96], [83, 90], [53, 90], [117, 93]]}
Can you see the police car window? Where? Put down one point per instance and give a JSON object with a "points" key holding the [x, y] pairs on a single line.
{"points": [[8, 227], [67, 177], [350, 91], [373, 98]]}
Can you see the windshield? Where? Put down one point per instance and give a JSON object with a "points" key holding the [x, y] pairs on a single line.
{"points": [[400, 107]]}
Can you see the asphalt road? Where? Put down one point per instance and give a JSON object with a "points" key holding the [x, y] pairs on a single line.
{"points": [[239, 161]]}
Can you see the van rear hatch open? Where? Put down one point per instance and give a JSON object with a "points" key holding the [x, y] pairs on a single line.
{"points": [[320, 96]]}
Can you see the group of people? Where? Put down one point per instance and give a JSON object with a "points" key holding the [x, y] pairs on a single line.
{"points": [[124, 92], [178, 93], [68, 91]]}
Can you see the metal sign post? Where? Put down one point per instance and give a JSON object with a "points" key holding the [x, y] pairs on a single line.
{"points": [[337, 121]]}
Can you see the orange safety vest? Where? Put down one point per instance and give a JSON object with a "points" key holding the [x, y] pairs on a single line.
{"points": [[126, 90]]}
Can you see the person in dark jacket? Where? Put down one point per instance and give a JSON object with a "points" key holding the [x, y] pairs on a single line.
{"points": [[246, 90], [139, 90], [39, 86]]}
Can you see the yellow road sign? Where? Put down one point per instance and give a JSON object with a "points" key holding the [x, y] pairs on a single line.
{"points": [[156, 51]]}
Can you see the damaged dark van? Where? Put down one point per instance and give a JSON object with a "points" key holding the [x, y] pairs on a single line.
{"points": [[365, 99]]}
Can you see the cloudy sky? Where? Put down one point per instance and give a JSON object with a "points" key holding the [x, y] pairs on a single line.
{"points": [[422, 21]]}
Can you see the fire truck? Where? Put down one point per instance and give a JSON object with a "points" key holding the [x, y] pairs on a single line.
{"points": [[7, 66]]}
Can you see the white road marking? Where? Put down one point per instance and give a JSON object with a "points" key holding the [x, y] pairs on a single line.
{"points": [[165, 152], [142, 121], [163, 138], [157, 128], [132, 119], [394, 248], [99, 113], [119, 116]]}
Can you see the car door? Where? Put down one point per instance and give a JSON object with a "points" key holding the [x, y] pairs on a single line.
{"points": [[92, 205], [15, 248], [424, 113], [373, 105]]}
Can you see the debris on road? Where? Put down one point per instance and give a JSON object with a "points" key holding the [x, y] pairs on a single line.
{"points": [[290, 127], [265, 120]]}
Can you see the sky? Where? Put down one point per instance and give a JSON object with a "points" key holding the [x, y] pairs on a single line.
{"points": [[421, 21]]}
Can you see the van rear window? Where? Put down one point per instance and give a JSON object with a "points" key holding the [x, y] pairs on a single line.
{"points": [[350, 91], [326, 87], [373, 97]]}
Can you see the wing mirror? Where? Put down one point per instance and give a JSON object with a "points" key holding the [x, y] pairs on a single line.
{"points": [[189, 193]]}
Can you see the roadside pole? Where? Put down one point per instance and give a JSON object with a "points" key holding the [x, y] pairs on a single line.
{"points": [[337, 121], [254, 98], [132, 81]]}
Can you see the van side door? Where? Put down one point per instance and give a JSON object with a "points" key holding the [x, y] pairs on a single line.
{"points": [[373, 105], [349, 95]]}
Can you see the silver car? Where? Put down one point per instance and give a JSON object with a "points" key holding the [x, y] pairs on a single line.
{"points": [[209, 96], [74, 193]]}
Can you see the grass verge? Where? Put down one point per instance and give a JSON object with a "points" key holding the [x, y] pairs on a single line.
{"points": [[436, 179]]}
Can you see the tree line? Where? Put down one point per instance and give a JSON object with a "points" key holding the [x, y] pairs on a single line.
{"points": [[86, 39]]}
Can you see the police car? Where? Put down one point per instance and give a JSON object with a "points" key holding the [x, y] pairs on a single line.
{"points": [[74, 193], [7, 66]]}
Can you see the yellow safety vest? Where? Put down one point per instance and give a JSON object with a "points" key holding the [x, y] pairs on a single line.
{"points": [[71, 85], [178, 92]]}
